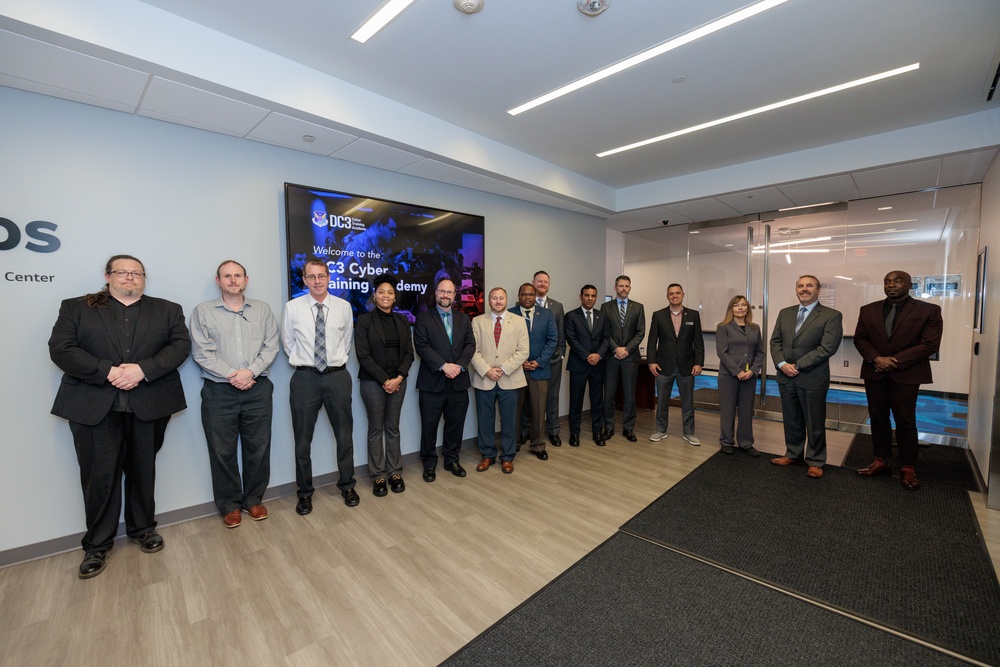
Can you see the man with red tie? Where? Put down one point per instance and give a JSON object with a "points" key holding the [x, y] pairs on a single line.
{"points": [[896, 338]]}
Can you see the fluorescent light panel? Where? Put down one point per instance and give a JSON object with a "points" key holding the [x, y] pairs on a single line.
{"points": [[649, 54], [380, 19], [770, 107]]}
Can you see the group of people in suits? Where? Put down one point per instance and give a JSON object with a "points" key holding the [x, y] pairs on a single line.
{"points": [[120, 350]]}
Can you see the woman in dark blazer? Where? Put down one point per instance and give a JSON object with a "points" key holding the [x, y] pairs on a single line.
{"points": [[741, 355], [385, 353]]}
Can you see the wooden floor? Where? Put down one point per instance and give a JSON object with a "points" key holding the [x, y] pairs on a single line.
{"points": [[402, 580]]}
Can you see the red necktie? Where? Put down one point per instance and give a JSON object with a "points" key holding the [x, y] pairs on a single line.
{"points": [[496, 332]]}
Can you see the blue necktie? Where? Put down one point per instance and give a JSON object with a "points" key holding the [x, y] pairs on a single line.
{"points": [[446, 318], [800, 319]]}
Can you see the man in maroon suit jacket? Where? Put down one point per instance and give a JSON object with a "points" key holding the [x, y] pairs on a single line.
{"points": [[896, 338]]}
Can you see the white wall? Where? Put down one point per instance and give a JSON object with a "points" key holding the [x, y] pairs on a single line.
{"points": [[182, 200], [982, 395]]}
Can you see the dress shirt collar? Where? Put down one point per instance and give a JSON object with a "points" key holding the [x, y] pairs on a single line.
{"points": [[809, 308], [442, 311], [498, 316]]}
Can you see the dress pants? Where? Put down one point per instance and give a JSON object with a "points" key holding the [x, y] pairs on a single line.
{"points": [[552, 398], [233, 418], [121, 443], [736, 399], [384, 458], [886, 396], [629, 373], [665, 387], [803, 413], [486, 401], [308, 392], [578, 383], [454, 406], [531, 405]]}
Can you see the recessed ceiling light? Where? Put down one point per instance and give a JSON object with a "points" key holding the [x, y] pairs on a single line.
{"points": [[769, 107], [380, 19], [308, 138], [648, 54], [680, 78]]}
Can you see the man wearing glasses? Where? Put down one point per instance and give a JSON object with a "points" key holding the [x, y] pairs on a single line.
{"points": [[442, 337], [316, 333], [119, 351]]}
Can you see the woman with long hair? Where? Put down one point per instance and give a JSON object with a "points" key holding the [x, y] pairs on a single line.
{"points": [[741, 355]]}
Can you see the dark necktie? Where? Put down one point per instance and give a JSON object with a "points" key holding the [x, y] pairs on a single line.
{"points": [[590, 321], [319, 347], [621, 314], [527, 319], [890, 318]]}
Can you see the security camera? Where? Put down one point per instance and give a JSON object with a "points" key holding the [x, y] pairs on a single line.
{"points": [[664, 222]]}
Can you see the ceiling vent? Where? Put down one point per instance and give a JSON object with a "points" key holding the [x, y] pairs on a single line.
{"points": [[469, 6]]}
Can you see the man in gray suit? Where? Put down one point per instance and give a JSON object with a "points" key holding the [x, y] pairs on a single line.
{"points": [[543, 300], [627, 326], [804, 339]]}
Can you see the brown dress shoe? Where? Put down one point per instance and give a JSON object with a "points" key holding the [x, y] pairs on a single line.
{"points": [[485, 464], [508, 467], [231, 520], [874, 468], [782, 461], [909, 480], [815, 472], [257, 512]]}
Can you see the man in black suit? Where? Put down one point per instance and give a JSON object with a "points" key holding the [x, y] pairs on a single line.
{"points": [[626, 329], [896, 338], [442, 337], [805, 337], [588, 339], [676, 352], [119, 351]]}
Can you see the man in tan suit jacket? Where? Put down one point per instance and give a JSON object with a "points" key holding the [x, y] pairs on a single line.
{"points": [[496, 374]]}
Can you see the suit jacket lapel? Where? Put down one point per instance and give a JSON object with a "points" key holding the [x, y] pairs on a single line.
{"points": [[108, 320]]}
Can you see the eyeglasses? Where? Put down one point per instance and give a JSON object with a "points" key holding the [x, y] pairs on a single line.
{"points": [[443, 292], [321, 276], [130, 274]]}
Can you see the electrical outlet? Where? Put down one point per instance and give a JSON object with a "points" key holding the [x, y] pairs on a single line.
{"points": [[846, 364]]}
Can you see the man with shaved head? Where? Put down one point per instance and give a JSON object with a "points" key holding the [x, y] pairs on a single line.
{"points": [[896, 338]]}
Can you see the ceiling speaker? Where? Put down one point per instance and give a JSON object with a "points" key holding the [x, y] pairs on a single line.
{"points": [[469, 6], [592, 7]]}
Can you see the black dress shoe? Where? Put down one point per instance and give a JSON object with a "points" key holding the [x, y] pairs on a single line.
{"points": [[304, 506], [93, 564], [396, 484], [607, 435], [600, 440], [149, 542], [521, 439], [629, 435], [555, 440], [379, 488], [574, 441], [541, 455], [455, 469], [351, 498], [429, 475]]}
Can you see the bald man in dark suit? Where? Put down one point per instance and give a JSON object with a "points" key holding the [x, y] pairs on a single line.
{"points": [[896, 338]]}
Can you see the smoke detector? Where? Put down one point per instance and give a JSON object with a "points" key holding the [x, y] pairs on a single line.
{"points": [[469, 6], [592, 7]]}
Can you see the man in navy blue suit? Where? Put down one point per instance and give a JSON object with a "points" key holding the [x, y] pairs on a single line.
{"points": [[542, 339], [588, 337]]}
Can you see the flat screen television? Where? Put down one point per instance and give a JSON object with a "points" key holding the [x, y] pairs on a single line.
{"points": [[361, 237]]}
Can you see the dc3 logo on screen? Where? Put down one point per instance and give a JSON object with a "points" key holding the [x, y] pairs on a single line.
{"points": [[342, 221], [37, 231]]}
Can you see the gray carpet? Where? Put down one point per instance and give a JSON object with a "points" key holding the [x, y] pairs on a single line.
{"points": [[935, 463], [630, 602], [914, 561]]}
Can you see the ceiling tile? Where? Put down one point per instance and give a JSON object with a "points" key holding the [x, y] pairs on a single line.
{"points": [[52, 70], [965, 168], [376, 155], [282, 130], [821, 190], [178, 103], [757, 201], [698, 210], [898, 178], [436, 171]]}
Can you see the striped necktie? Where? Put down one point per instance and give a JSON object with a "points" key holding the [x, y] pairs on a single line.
{"points": [[800, 319], [319, 347], [621, 314], [496, 332]]}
